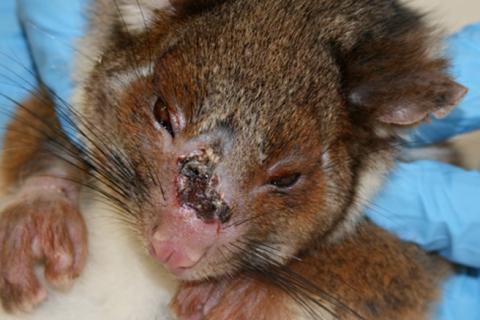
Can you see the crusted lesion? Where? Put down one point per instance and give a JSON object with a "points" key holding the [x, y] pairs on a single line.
{"points": [[198, 186]]}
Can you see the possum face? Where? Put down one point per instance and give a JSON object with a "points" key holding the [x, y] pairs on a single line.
{"points": [[238, 134]]}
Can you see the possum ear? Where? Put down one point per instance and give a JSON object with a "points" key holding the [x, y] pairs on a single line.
{"points": [[398, 80], [408, 99], [192, 6], [138, 15]]}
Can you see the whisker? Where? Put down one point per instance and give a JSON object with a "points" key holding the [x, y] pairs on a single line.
{"points": [[281, 274]]}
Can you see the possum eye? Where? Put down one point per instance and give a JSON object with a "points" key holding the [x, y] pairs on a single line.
{"points": [[163, 116], [286, 181]]}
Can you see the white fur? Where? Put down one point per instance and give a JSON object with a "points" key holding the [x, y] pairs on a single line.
{"points": [[369, 182], [119, 283], [138, 14], [123, 80]]}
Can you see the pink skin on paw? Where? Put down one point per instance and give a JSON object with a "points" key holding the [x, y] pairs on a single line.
{"points": [[195, 301], [40, 223]]}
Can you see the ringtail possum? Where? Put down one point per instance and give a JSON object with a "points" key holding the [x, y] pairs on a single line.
{"points": [[236, 143]]}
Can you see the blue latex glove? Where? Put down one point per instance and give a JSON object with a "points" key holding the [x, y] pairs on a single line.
{"points": [[15, 63], [49, 31], [52, 27], [426, 202], [437, 205]]}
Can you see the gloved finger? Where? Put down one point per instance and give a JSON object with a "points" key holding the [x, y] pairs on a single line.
{"points": [[464, 50], [53, 27], [461, 293], [434, 205], [16, 78]]}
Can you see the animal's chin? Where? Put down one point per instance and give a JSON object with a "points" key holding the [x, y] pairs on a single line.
{"points": [[186, 273]]}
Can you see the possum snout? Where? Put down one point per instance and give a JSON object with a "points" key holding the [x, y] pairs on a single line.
{"points": [[192, 220]]}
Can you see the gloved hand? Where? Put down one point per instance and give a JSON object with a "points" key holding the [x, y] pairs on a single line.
{"points": [[52, 28], [437, 205], [46, 43], [426, 202], [16, 77]]}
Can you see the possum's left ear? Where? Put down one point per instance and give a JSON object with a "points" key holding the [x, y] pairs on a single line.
{"points": [[138, 15], [409, 99], [192, 6], [399, 81]]}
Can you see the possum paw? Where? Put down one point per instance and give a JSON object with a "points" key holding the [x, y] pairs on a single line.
{"points": [[39, 227], [194, 301], [239, 297]]}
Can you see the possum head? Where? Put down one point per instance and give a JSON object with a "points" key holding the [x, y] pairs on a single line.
{"points": [[238, 134]]}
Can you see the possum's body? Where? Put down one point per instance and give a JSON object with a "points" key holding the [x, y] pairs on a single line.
{"points": [[268, 126]]}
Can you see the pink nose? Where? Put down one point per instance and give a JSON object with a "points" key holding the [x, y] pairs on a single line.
{"points": [[174, 256], [182, 239]]}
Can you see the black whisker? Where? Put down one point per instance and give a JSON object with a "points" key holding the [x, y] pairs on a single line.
{"points": [[303, 291]]}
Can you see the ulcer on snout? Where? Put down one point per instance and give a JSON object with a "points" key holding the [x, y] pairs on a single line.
{"points": [[194, 219], [197, 188]]}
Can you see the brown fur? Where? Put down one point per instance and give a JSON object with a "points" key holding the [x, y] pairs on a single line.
{"points": [[287, 79], [375, 275], [23, 141]]}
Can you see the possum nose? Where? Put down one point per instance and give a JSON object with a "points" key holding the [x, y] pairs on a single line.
{"points": [[182, 240], [174, 257]]}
